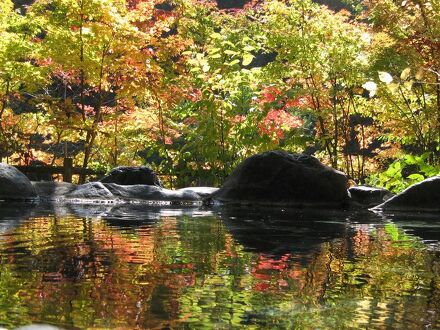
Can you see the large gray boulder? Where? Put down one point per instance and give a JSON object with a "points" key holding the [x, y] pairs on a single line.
{"points": [[53, 190], [423, 196], [151, 193], [14, 185], [127, 175], [91, 190], [368, 196], [280, 178]]}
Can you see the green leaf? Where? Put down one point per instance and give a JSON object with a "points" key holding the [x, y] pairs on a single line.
{"points": [[416, 177], [230, 52], [247, 59], [216, 35]]}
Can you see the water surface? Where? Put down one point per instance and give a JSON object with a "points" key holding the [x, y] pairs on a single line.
{"points": [[143, 267]]}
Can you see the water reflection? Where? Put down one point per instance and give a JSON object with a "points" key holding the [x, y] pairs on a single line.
{"points": [[138, 267], [280, 231]]}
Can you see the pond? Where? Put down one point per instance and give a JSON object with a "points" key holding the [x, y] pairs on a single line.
{"points": [[144, 267]]}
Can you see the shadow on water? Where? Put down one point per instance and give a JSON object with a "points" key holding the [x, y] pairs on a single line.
{"points": [[280, 231]]}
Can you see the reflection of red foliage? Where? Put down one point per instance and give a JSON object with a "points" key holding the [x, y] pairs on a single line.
{"points": [[261, 286], [267, 269]]}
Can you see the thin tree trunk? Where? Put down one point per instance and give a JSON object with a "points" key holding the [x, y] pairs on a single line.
{"points": [[81, 59], [222, 142], [334, 158], [4, 103], [93, 131], [437, 80]]}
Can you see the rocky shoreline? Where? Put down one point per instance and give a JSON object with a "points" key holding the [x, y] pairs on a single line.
{"points": [[273, 178]]}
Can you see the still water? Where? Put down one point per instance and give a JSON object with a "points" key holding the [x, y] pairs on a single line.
{"points": [[140, 267]]}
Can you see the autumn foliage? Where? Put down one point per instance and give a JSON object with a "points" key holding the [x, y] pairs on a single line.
{"points": [[192, 87]]}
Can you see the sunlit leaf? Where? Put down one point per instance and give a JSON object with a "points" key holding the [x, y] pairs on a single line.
{"points": [[247, 59], [370, 86], [416, 177], [385, 77], [405, 74]]}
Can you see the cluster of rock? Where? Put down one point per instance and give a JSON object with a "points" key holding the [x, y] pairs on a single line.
{"points": [[274, 178], [122, 183]]}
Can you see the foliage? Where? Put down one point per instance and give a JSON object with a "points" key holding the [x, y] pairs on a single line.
{"points": [[193, 89], [405, 171]]}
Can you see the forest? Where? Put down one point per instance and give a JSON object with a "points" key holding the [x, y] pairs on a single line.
{"points": [[192, 87]]}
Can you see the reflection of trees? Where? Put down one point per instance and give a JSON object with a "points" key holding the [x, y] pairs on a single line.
{"points": [[90, 273]]}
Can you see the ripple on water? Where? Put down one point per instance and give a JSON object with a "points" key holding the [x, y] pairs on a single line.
{"points": [[138, 266]]}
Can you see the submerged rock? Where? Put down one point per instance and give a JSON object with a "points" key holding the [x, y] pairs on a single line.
{"points": [[14, 185], [151, 193], [368, 196], [126, 175], [423, 196], [280, 178]]}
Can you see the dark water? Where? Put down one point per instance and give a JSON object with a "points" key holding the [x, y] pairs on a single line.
{"points": [[140, 267]]}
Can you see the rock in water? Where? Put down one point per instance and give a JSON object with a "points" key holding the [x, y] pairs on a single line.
{"points": [[14, 185], [91, 190], [151, 193], [368, 196], [423, 196], [280, 178], [126, 175], [203, 192], [52, 189]]}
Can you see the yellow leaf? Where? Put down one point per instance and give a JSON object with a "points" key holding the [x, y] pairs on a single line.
{"points": [[405, 74], [419, 74], [247, 59]]}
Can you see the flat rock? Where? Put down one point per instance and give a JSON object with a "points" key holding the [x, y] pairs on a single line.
{"points": [[128, 175], [423, 196], [150, 193], [280, 178], [53, 190], [14, 185], [368, 196]]}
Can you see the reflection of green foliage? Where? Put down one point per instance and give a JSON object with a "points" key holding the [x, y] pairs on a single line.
{"points": [[12, 311], [190, 273]]}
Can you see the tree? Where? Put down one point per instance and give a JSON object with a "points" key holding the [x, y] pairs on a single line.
{"points": [[18, 73], [322, 61]]}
